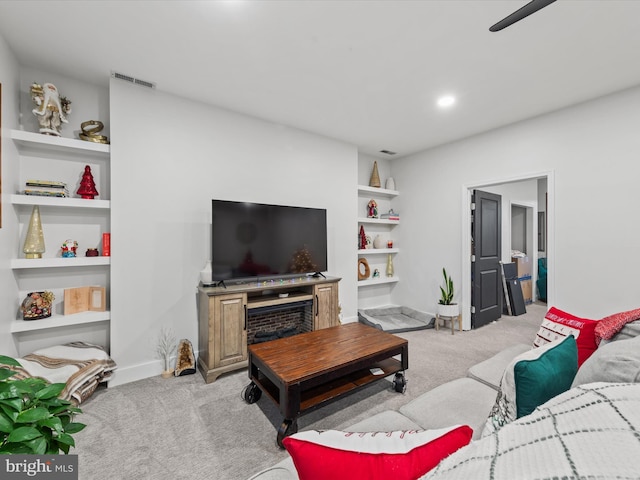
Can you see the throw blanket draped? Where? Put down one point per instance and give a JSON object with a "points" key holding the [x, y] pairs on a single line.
{"points": [[588, 432], [81, 366]]}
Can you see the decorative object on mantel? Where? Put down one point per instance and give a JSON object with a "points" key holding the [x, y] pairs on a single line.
{"points": [[389, 265], [375, 176], [372, 209], [376, 273], [166, 347], [51, 108], [390, 244], [87, 187], [186, 360], [69, 248], [91, 132], [92, 252], [37, 305], [390, 184], [34, 242], [363, 269]]}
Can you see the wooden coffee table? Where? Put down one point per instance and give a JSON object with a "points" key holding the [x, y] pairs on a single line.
{"points": [[309, 370]]}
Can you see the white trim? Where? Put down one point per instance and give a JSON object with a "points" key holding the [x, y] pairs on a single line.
{"points": [[466, 236]]}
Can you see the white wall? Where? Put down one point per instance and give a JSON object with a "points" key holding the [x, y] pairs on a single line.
{"points": [[9, 302], [591, 150], [170, 157]]}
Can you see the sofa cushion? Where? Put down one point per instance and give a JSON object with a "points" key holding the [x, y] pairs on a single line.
{"points": [[319, 455], [531, 379], [490, 371], [558, 324], [386, 421], [461, 401], [615, 362]]}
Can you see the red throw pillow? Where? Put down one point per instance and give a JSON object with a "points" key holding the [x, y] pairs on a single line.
{"points": [[401, 455], [558, 324], [609, 326]]}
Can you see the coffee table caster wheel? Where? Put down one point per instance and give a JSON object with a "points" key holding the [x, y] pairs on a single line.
{"points": [[251, 393], [399, 383], [288, 427]]}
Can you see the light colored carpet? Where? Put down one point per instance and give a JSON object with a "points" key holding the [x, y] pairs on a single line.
{"points": [[182, 428]]}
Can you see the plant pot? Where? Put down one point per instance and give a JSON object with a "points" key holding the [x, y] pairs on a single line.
{"points": [[452, 310]]}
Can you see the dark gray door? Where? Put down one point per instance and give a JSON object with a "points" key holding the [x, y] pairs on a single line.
{"points": [[486, 247]]}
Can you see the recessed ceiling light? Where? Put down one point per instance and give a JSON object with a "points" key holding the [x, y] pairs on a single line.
{"points": [[446, 101]]}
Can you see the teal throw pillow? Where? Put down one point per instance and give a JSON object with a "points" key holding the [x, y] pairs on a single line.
{"points": [[531, 379], [539, 380]]}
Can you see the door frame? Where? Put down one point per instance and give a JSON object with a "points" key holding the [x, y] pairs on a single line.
{"points": [[532, 234], [466, 193]]}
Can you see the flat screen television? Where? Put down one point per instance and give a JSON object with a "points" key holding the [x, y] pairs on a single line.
{"points": [[251, 241]]}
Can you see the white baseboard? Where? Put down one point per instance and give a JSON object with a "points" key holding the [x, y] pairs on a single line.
{"points": [[133, 373]]}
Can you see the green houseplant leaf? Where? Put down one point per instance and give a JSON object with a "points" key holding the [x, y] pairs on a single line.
{"points": [[33, 419], [446, 292]]}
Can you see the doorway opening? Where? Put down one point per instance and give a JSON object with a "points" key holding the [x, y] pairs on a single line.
{"points": [[512, 188]]}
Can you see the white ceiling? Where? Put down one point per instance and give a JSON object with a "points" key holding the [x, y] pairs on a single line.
{"points": [[365, 72]]}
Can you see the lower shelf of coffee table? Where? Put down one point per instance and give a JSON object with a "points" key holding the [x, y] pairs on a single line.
{"points": [[334, 388]]}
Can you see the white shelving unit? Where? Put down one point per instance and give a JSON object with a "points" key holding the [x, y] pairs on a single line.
{"points": [[46, 157], [376, 257]]}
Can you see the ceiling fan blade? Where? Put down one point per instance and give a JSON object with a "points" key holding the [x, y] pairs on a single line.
{"points": [[532, 7]]}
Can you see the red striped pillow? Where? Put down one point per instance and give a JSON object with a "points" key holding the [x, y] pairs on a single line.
{"points": [[558, 324]]}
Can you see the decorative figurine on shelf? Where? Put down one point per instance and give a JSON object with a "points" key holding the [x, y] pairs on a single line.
{"points": [[87, 187], [363, 238], [51, 108], [372, 209], [37, 305], [374, 181], [34, 242], [69, 248], [91, 132], [376, 273], [92, 252]]}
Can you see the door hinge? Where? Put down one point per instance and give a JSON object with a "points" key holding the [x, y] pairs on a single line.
{"points": [[473, 258], [473, 206], [473, 309]]}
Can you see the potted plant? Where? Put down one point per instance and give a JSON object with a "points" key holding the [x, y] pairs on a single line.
{"points": [[446, 306], [33, 420]]}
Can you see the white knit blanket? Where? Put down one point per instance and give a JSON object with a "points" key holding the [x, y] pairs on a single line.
{"points": [[81, 366], [590, 432]]}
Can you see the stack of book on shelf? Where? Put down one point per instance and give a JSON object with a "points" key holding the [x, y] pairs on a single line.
{"points": [[46, 188], [390, 216]]}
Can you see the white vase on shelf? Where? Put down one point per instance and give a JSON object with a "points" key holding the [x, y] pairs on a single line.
{"points": [[390, 184]]}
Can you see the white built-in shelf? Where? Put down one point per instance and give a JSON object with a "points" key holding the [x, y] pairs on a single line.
{"points": [[56, 321], [38, 141], [59, 202], [378, 220], [377, 281], [374, 251], [380, 192], [21, 263]]}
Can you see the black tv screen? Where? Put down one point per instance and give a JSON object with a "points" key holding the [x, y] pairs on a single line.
{"points": [[253, 241]]}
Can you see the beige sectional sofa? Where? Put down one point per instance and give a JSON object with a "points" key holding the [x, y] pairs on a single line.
{"points": [[589, 431]]}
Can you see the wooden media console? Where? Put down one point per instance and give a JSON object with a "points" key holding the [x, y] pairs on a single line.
{"points": [[224, 317]]}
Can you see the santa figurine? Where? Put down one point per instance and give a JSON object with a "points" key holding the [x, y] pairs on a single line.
{"points": [[69, 248]]}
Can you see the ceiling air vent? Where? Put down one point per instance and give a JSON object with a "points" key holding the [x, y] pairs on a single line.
{"points": [[387, 152], [130, 79]]}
